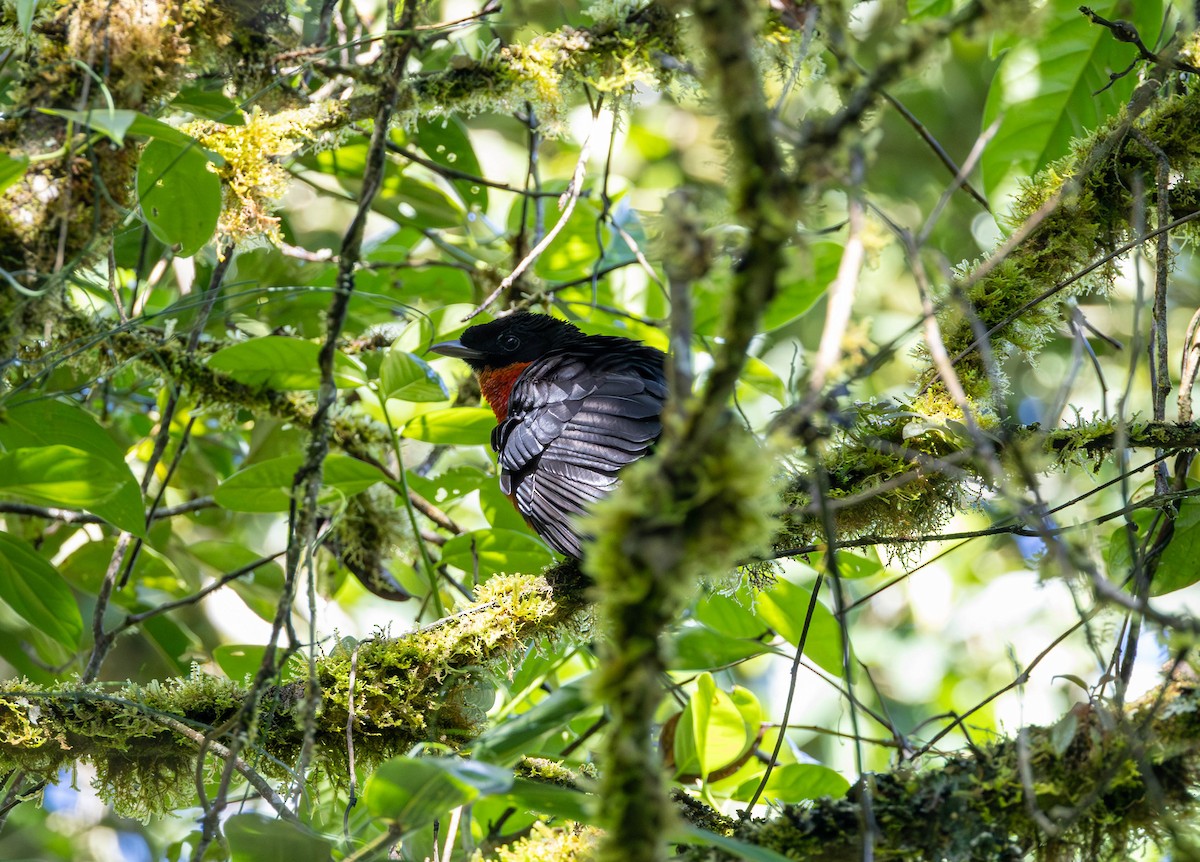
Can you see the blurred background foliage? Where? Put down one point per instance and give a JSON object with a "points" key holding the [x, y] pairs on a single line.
{"points": [[939, 630]]}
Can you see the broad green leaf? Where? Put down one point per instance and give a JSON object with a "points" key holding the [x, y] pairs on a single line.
{"points": [[44, 422], [115, 124], [1177, 567], [240, 661], [25, 10], [505, 741], [576, 248], [810, 270], [732, 846], [495, 550], [729, 617], [783, 608], [1045, 89], [455, 426], [279, 362], [446, 141], [180, 197], [84, 569], [411, 792], [417, 336], [408, 378], [210, 104], [697, 647], [36, 591], [918, 9], [561, 802], [175, 644], [713, 732], [797, 782], [58, 475], [12, 168], [260, 589], [267, 486], [450, 485], [256, 838], [408, 199], [758, 375], [852, 565]]}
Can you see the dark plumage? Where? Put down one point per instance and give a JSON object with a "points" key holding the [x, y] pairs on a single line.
{"points": [[573, 410]]}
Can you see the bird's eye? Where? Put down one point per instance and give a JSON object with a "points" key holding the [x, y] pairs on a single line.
{"points": [[509, 341]]}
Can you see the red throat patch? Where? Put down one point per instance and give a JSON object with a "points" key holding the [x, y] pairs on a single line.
{"points": [[496, 385]]}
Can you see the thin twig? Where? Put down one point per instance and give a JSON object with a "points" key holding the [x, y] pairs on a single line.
{"points": [[566, 206]]}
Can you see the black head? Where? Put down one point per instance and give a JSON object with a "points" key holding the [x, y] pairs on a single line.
{"points": [[520, 337]]}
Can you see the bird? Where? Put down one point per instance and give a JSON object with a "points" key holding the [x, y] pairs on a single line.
{"points": [[572, 411]]}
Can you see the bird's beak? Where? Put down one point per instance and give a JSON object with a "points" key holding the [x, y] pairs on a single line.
{"points": [[456, 349]]}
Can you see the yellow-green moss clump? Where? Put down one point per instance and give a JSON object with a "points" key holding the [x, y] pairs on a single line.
{"points": [[622, 48], [254, 176], [574, 843]]}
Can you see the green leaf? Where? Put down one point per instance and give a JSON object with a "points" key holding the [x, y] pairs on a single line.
{"points": [[408, 378], [797, 782], [44, 422], [240, 661], [556, 801], [758, 375], [783, 608], [255, 838], [505, 741], [12, 168], [267, 486], [58, 476], [576, 248], [495, 550], [115, 124], [36, 591], [809, 272], [697, 647], [729, 617], [739, 849], [25, 10], [84, 569], [714, 731], [279, 362], [918, 9], [1045, 90], [412, 200], [446, 141], [260, 589], [455, 426], [851, 565], [1177, 567], [180, 197], [209, 104], [1063, 733], [412, 792]]}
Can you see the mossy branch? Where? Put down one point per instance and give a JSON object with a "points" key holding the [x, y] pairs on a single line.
{"points": [[1069, 227], [414, 688], [1091, 786]]}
